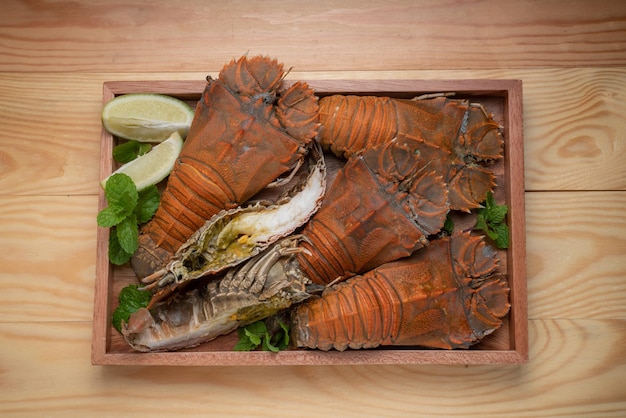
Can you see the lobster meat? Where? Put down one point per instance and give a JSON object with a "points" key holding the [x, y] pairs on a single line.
{"points": [[457, 137], [246, 133], [445, 296], [235, 235], [264, 285], [382, 205]]}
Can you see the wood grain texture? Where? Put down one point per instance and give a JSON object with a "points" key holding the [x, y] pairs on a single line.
{"points": [[576, 249], [573, 126], [195, 35], [54, 56], [48, 247], [47, 254], [574, 130], [578, 369]]}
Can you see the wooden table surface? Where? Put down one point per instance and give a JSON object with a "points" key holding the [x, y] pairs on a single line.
{"points": [[571, 57]]}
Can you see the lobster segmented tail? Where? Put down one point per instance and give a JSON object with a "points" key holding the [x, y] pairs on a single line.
{"points": [[459, 138], [382, 206], [353, 123], [363, 313], [239, 142], [446, 296]]}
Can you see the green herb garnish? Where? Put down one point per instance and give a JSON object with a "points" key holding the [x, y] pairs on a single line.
{"points": [[448, 225], [491, 219], [256, 334], [128, 151], [131, 300], [127, 209]]}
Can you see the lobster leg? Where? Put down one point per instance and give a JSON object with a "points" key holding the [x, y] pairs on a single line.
{"points": [[261, 287]]}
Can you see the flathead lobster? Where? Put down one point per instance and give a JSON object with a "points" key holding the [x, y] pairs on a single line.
{"points": [[233, 236], [444, 296], [246, 133], [457, 137], [264, 285], [383, 205]]}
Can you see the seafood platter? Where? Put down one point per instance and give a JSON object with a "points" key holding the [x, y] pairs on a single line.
{"points": [[353, 213]]}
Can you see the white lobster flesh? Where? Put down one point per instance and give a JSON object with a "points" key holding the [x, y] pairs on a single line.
{"points": [[264, 285], [233, 236]]}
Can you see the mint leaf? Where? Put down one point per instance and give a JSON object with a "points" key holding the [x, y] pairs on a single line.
{"points": [[244, 343], [257, 328], [130, 150], [254, 338], [147, 204], [284, 343], [110, 216], [117, 255], [257, 335], [126, 210], [279, 340], [448, 225], [490, 200], [121, 193], [267, 344], [131, 299], [502, 240], [491, 219], [496, 214], [491, 233], [144, 148], [128, 234], [480, 222]]}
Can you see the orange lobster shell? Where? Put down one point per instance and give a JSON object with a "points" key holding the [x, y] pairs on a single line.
{"points": [[381, 206], [458, 138], [444, 296], [245, 134]]}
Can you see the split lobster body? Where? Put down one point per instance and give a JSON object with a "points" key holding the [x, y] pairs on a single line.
{"points": [[444, 296], [245, 134], [457, 137]]}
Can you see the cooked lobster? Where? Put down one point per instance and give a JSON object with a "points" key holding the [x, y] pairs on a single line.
{"points": [[444, 296], [246, 133], [261, 287], [235, 235], [383, 205], [457, 137]]}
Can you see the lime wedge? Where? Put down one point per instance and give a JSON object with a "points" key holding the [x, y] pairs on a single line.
{"points": [[146, 117], [153, 166]]}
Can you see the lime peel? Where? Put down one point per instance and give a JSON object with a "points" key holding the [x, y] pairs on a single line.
{"points": [[154, 166], [146, 117]]}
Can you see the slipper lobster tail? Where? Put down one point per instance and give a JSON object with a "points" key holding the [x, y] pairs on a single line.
{"points": [[459, 138], [382, 206], [445, 296], [245, 134], [233, 236]]}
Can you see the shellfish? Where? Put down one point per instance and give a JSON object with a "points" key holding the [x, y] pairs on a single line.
{"points": [[246, 133], [444, 296], [262, 286], [457, 137]]}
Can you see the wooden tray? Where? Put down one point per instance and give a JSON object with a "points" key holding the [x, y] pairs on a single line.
{"points": [[509, 344]]}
